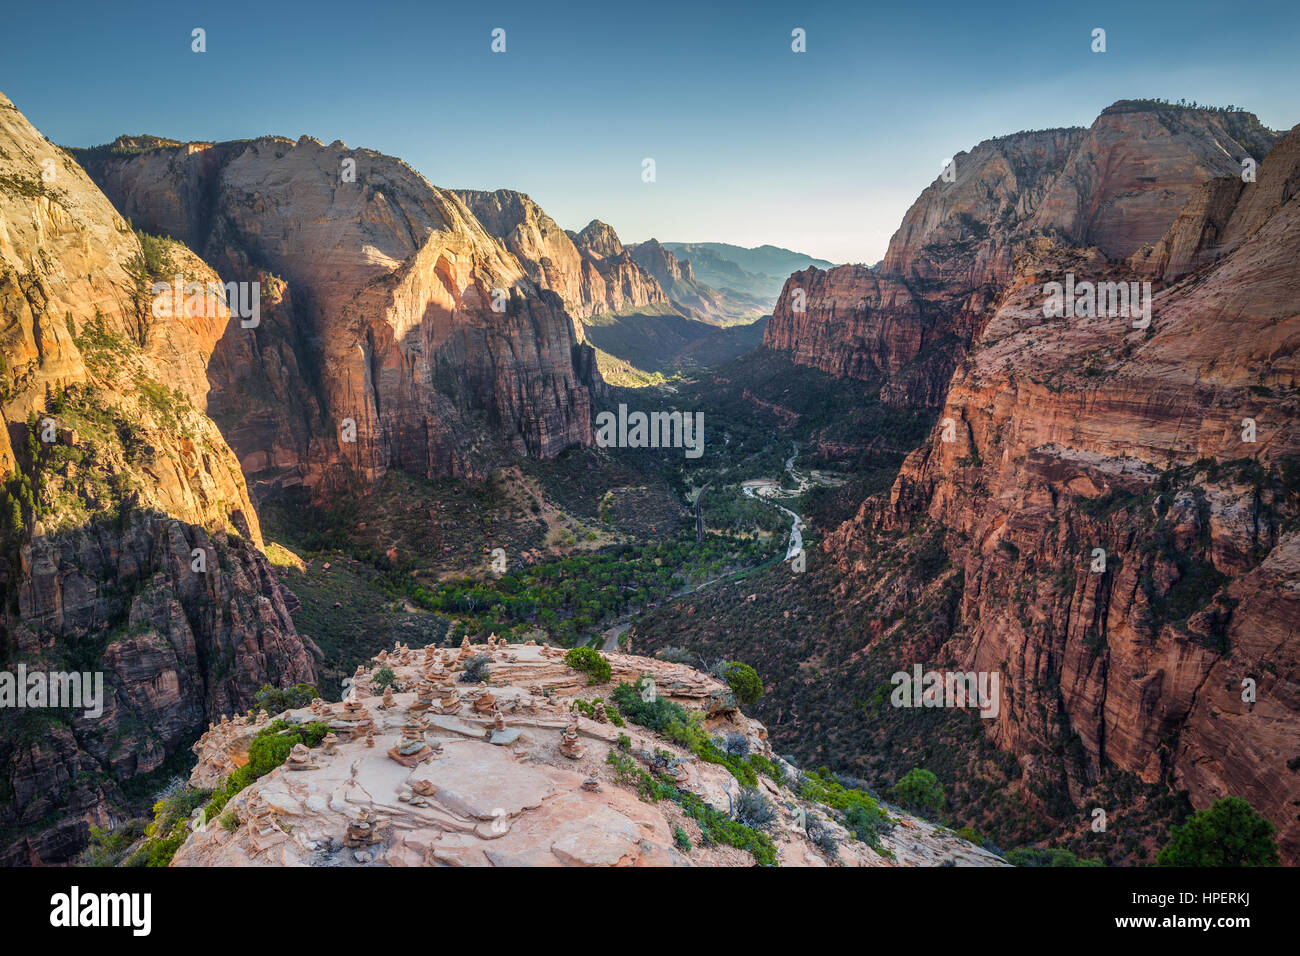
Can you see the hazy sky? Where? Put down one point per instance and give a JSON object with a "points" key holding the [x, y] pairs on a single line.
{"points": [[820, 151]]}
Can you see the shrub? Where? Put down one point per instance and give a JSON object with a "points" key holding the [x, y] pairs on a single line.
{"points": [[629, 773], [716, 827], [276, 700], [867, 825], [744, 683], [625, 768], [769, 767], [654, 714], [737, 745], [716, 668], [682, 841], [679, 725], [675, 655], [1230, 833], [919, 791], [171, 788], [822, 838], [753, 810], [863, 816], [108, 847], [1037, 856], [383, 679], [170, 827], [587, 660], [477, 670], [687, 733]]}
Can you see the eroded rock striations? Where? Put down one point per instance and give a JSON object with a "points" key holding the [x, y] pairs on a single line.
{"points": [[1115, 187], [129, 545], [588, 270], [395, 317], [1122, 501]]}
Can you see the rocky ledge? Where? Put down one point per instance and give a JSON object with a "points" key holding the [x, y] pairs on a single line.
{"points": [[436, 771]]}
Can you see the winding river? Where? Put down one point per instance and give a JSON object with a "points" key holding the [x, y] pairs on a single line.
{"points": [[767, 489]]}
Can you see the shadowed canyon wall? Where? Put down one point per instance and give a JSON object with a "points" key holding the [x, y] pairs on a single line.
{"points": [[1173, 448], [393, 309], [117, 488]]}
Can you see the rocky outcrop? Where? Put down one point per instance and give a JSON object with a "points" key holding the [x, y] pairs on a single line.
{"points": [[1222, 214], [1115, 187], [128, 543], [515, 774], [1137, 166], [1173, 450], [853, 322], [663, 265], [589, 271], [609, 271], [544, 250], [599, 241], [399, 325], [960, 232]]}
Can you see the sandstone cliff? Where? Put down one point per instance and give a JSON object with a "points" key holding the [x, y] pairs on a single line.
{"points": [[589, 276], [1223, 213], [853, 322], [1175, 450], [518, 793], [397, 318], [1115, 187], [129, 544]]}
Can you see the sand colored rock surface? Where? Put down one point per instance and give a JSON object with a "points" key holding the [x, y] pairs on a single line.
{"points": [[475, 803], [589, 270], [386, 312], [135, 483], [1115, 188], [1056, 423]]}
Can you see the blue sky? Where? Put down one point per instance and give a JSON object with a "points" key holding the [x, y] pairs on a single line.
{"points": [[821, 151]]}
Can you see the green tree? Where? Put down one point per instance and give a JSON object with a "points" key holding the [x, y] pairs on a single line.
{"points": [[919, 791], [744, 683], [1230, 833]]}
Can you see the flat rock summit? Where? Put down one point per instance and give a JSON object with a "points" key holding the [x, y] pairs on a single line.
{"points": [[440, 772]]}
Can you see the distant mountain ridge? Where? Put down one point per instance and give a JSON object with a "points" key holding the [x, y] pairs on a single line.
{"points": [[677, 276], [760, 271]]}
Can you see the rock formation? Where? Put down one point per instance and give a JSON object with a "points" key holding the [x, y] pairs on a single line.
{"points": [[1115, 187], [546, 796], [853, 322], [589, 270], [128, 544], [695, 298], [394, 326], [1122, 501]]}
